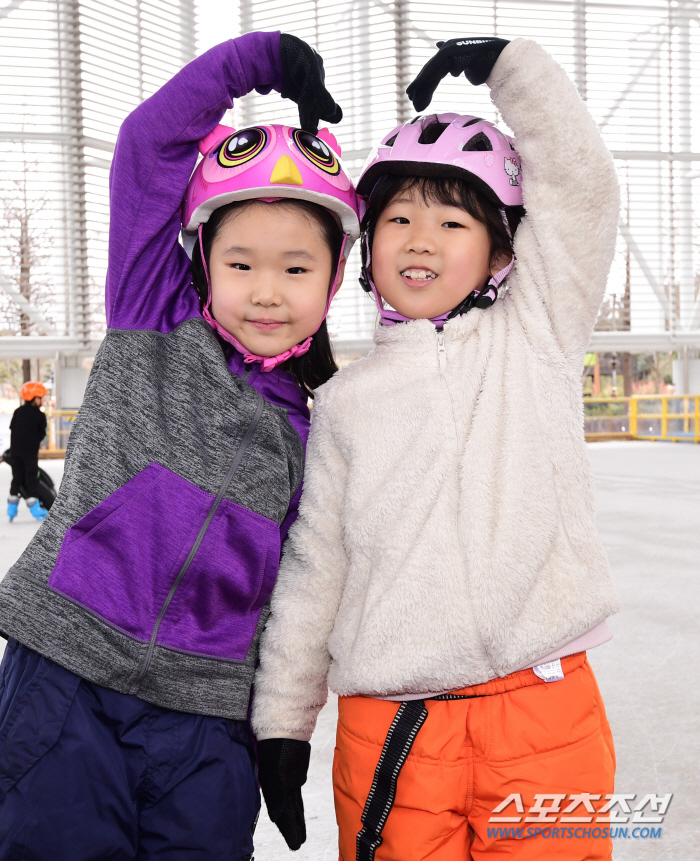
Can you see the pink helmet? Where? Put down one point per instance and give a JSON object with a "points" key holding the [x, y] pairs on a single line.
{"points": [[449, 145], [269, 161]]}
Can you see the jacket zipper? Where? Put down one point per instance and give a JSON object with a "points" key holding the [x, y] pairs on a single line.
{"points": [[442, 361], [243, 446], [441, 349]]}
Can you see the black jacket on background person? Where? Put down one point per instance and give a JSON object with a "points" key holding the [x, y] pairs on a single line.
{"points": [[27, 429]]}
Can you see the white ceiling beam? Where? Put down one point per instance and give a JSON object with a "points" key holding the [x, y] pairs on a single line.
{"points": [[57, 137], [619, 101], [41, 347], [654, 155], [10, 7], [643, 342], [26, 307], [601, 342], [636, 252]]}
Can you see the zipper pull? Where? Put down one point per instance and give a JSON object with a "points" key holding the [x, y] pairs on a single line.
{"points": [[442, 352]]}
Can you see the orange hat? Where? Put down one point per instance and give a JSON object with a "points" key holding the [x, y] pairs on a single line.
{"points": [[33, 390]]}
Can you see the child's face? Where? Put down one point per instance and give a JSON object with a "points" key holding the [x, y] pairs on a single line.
{"points": [[270, 271], [428, 257]]}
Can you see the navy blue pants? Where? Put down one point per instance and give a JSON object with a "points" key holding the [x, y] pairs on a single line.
{"points": [[88, 773]]}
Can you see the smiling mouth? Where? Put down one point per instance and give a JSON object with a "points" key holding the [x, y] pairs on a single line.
{"points": [[415, 277], [266, 325]]}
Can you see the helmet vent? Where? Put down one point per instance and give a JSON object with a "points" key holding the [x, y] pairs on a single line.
{"points": [[479, 143], [392, 140], [472, 121], [432, 132]]}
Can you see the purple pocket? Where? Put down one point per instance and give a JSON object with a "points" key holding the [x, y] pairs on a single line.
{"points": [[217, 605], [121, 559]]}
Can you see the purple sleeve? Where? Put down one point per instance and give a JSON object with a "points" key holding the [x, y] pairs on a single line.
{"points": [[148, 276]]}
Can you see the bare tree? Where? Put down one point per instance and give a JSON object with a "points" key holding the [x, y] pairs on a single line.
{"points": [[611, 316], [657, 367], [11, 376], [25, 248]]}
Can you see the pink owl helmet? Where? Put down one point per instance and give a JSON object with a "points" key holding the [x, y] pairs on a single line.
{"points": [[447, 146], [268, 162]]}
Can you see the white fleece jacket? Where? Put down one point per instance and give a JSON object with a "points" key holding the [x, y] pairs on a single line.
{"points": [[447, 531]]}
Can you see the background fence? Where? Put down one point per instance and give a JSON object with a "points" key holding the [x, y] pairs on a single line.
{"points": [[652, 417]]}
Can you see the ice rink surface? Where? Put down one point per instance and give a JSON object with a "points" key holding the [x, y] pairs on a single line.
{"points": [[648, 498]]}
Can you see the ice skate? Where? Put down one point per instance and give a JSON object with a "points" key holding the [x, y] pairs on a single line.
{"points": [[37, 510]]}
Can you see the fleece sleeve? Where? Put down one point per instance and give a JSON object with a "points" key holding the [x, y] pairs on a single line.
{"points": [[290, 684], [148, 274], [565, 244]]}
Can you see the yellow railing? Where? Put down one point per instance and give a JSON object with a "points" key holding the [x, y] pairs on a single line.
{"points": [[653, 417], [60, 424]]}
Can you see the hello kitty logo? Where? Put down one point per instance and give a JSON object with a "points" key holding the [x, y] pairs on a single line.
{"points": [[512, 169]]}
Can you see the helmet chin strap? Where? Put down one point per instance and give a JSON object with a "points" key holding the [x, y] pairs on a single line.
{"points": [[267, 363], [476, 299]]}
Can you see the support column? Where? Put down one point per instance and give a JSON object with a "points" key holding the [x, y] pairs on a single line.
{"points": [[139, 48], [364, 65], [75, 217], [57, 380], [247, 25], [73, 379], [580, 59], [596, 376], [188, 31], [404, 109], [681, 170], [627, 374]]}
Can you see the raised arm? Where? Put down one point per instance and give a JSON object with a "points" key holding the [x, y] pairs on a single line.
{"points": [[565, 244], [290, 684], [148, 277]]}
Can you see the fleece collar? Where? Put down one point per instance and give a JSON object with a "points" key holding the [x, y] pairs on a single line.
{"points": [[419, 335]]}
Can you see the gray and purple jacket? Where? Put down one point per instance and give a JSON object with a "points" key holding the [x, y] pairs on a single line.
{"points": [[152, 572]]}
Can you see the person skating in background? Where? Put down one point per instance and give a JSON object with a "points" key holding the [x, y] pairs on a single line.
{"points": [[445, 576], [135, 612], [27, 430]]}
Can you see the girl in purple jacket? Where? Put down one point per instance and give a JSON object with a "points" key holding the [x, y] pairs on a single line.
{"points": [[133, 616]]}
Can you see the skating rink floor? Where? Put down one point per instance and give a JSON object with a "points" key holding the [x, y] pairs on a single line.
{"points": [[648, 497]]}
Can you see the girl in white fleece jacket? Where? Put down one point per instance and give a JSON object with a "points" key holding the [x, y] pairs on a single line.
{"points": [[445, 575]]}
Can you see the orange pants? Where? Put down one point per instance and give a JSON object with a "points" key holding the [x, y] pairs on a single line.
{"points": [[523, 736]]}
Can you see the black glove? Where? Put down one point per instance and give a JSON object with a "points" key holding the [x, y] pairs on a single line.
{"points": [[474, 57], [303, 82], [282, 767]]}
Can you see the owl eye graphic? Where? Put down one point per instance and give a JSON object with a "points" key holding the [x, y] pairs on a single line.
{"points": [[316, 151], [241, 147]]}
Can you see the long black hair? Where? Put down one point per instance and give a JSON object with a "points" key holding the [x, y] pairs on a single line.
{"points": [[318, 365], [448, 192]]}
